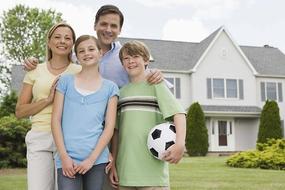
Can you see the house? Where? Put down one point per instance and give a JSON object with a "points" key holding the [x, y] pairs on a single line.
{"points": [[231, 82]]}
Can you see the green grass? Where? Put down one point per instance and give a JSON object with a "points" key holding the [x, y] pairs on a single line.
{"points": [[209, 173], [195, 173]]}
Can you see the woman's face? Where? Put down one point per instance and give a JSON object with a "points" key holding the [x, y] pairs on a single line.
{"points": [[61, 41]]}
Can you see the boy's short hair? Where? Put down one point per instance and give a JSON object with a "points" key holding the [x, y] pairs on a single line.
{"points": [[135, 47], [84, 38], [109, 9]]}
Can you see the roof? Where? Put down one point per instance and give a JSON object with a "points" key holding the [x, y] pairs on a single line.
{"points": [[17, 77], [266, 60], [170, 55], [242, 111], [183, 56]]}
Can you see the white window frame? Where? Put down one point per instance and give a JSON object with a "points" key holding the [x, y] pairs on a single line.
{"points": [[277, 90], [173, 89], [225, 96]]}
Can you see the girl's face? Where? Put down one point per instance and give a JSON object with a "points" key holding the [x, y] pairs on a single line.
{"points": [[61, 41], [88, 53]]}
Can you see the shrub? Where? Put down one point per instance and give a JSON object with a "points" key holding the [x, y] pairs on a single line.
{"points": [[270, 124], [12, 141], [197, 133], [270, 155], [8, 105]]}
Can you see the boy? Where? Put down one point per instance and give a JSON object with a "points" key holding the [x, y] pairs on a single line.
{"points": [[141, 107]]}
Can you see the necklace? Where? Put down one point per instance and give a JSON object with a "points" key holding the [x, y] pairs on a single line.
{"points": [[59, 68]]}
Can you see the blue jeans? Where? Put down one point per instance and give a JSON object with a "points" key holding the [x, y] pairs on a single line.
{"points": [[91, 180]]}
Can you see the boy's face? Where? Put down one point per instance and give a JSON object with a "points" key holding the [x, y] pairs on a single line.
{"points": [[88, 53], [134, 65], [108, 28]]}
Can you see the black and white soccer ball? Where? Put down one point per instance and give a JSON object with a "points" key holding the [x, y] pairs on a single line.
{"points": [[160, 138]]}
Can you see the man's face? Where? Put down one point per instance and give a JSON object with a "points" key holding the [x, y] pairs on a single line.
{"points": [[107, 28]]}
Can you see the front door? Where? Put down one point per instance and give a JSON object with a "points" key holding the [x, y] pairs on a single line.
{"points": [[222, 137]]}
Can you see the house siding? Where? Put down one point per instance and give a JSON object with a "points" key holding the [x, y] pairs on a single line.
{"points": [[246, 130], [185, 86], [260, 103], [232, 66]]}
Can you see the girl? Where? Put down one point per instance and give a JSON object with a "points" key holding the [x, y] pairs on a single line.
{"points": [[82, 103], [36, 100]]}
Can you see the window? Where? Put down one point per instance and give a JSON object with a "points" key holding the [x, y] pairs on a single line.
{"points": [[231, 88], [224, 88], [271, 91], [176, 90], [218, 88]]}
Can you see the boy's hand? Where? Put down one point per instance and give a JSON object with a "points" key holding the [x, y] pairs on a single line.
{"points": [[30, 63], [84, 166], [154, 76], [113, 176], [174, 154], [68, 167]]}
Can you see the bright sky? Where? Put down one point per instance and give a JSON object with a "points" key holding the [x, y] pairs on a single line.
{"points": [[250, 22]]}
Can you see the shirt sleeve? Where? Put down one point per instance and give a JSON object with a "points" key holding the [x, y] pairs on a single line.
{"points": [[62, 85], [30, 77], [114, 90], [168, 104]]}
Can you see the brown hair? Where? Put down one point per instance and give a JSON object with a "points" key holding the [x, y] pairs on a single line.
{"points": [[109, 9], [84, 38], [50, 33], [135, 47]]}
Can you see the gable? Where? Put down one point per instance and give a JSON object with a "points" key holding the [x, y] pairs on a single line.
{"points": [[224, 58]]}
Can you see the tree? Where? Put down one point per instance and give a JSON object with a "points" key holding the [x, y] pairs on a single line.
{"points": [[197, 133], [270, 124], [5, 76], [23, 31]]}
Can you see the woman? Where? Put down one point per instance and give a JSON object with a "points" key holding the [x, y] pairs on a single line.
{"points": [[35, 101]]}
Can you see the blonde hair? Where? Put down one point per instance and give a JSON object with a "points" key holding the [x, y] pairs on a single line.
{"points": [[135, 47], [50, 33]]}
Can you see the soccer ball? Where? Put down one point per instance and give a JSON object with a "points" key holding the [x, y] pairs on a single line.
{"points": [[160, 138]]}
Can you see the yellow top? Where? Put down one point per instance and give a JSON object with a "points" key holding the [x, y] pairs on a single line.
{"points": [[41, 79]]}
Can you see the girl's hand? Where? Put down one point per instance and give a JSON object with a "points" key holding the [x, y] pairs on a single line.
{"points": [[68, 167], [84, 166], [50, 97], [174, 154], [113, 176]]}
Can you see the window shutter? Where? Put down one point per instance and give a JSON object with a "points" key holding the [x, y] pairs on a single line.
{"points": [[209, 88], [280, 95], [177, 88], [262, 89], [282, 127], [240, 85]]}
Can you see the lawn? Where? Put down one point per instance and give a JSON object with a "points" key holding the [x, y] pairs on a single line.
{"points": [[198, 173], [210, 173]]}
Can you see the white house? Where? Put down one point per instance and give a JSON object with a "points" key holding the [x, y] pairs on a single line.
{"points": [[231, 82]]}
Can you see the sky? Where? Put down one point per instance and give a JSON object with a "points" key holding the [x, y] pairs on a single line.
{"points": [[249, 22]]}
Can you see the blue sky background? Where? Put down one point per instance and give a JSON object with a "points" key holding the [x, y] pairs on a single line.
{"points": [[250, 22]]}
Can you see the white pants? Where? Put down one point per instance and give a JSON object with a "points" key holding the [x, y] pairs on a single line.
{"points": [[40, 157]]}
